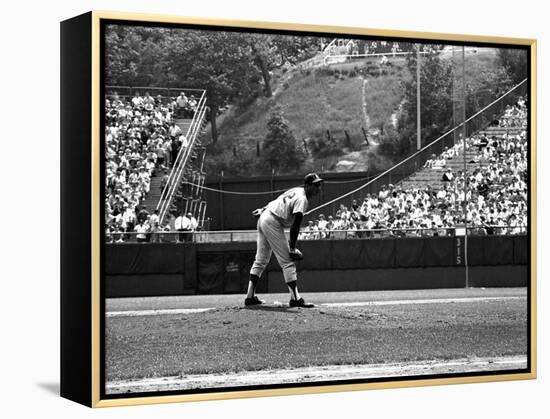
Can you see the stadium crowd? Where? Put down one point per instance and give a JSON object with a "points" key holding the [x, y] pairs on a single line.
{"points": [[140, 137], [495, 201]]}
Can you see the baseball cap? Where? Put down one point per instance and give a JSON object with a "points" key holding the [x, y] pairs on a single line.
{"points": [[312, 178]]}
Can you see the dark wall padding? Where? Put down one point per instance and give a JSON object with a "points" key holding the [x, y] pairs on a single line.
{"points": [[129, 259], [476, 251], [498, 276], [499, 250], [377, 253], [210, 273], [146, 285], [346, 254], [402, 279], [399, 279], [317, 255], [219, 268], [440, 251], [496, 250], [223, 273], [409, 252], [520, 250]]}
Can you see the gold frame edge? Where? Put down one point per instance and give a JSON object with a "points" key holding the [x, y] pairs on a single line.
{"points": [[533, 226], [302, 27], [96, 182]]}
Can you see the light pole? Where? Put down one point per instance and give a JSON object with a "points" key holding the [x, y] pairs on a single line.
{"points": [[418, 119]]}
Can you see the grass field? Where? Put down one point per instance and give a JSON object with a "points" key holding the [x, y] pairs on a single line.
{"points": [[215, 335]]}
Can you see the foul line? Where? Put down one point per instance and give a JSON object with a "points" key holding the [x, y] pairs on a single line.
{"points": [[425, 301], [320, 373], [137, 313]]}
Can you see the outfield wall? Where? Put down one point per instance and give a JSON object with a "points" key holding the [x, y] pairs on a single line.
{"points": [[243, 202], [329, 265]]}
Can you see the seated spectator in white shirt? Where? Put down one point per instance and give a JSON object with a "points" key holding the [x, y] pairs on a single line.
{"points": [[330, 227], [154, 223], [141, 229], [322, 226], [182, 100], [193, 223], [439, 164], [175, 131], [430, 162], [137, 100], [148, 99], [307, 231], [183, 225]]}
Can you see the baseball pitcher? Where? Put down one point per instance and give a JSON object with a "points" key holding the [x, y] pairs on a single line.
{"points": [[288, 209]]}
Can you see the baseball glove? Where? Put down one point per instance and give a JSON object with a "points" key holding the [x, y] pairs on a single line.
{"points": [[295, 254]]}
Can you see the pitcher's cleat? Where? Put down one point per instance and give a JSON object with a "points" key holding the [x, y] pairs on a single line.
{"points": [[253, 301], [300, 303]]}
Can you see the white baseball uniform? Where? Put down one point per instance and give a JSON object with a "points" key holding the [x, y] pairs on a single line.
{"points": [[271, 235]]}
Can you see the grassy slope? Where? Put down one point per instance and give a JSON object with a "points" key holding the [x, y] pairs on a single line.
{"points": [[309, 102], [316, 101]]}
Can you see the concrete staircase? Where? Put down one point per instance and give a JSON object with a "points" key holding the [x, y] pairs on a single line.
{"points": [[152, 198]]}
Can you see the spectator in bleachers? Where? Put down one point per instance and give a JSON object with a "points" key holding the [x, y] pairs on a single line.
{"points": [[439, 163], [168, 228], [142, 228], [154, 223], [307, 232], [137, 100], [322, 226], [430, 162], [496, 199], [164, 180], [175, 131], [192, 106], [193, 223], [134, 133], [482, 142], [447, 176], [182, 224], [143, 214], [182, 101]]}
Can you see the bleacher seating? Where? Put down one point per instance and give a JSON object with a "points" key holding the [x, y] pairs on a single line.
{"points": [[426, 204], [138, 145]]}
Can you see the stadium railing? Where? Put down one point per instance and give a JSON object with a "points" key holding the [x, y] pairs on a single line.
{"points": [[165, 92], [181, 161], [360, 234]]}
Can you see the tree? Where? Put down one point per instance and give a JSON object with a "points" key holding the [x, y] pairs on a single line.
{"points": [[436, 105], [122, 55], [133, 56], [229, 65], [273, 51], [220, 62], [486, 87], [280, 150], [515, 63]]}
